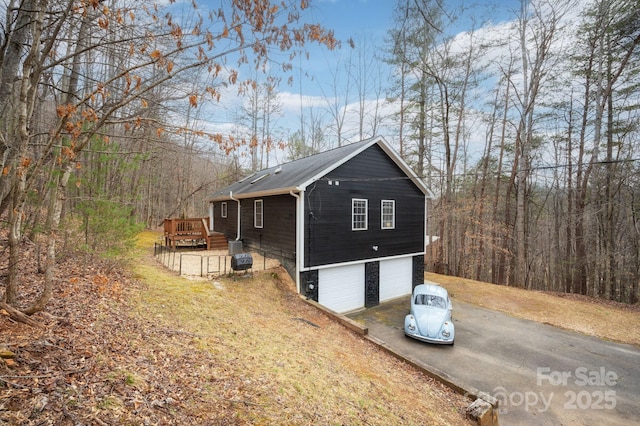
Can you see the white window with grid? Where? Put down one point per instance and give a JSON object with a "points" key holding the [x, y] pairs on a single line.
{"points": [[223, 209], [257, 214], [388, 216], [359, 214]]}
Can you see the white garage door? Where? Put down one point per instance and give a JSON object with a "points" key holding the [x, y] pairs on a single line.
{"points": [[395, 278], [341, 288]]}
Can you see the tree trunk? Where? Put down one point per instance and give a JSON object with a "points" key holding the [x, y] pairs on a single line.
{"points": [[54, 214], [19, 169]]}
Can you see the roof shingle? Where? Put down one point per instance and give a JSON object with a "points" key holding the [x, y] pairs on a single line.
{"points": [[296, 175]]}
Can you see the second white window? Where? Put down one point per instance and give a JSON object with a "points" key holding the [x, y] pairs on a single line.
{"points": [[388, 209]]}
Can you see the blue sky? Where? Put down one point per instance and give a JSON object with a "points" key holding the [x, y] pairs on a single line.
{"points": [[372, 19], [357, 19], [352, 17], [375, 17], [368, 20]]}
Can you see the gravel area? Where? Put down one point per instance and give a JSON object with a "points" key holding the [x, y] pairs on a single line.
{"points": [[209, 263]]}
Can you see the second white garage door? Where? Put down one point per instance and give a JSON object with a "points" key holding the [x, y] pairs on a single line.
{"points": [[341, 288], [395, 278]]}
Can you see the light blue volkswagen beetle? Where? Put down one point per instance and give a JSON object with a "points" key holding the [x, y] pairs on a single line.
{"points": [[430, 317]]}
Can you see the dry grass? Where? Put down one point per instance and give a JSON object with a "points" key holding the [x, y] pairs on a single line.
{"points": [[607, 320], [237, 350], [252, 352]]}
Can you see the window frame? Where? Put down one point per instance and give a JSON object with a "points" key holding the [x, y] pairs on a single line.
{"points": [[356, 217], [224, 209], [257, 216], [382, 214]]}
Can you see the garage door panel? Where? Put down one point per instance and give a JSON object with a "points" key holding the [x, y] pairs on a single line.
{"points": [[341, 288], [396, 278]]}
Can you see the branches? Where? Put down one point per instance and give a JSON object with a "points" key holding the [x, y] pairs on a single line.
{"points": [[16, 315], [100, 74]]}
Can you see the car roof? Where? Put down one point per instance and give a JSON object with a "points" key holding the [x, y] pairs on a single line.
{"points": [[431, 288]]}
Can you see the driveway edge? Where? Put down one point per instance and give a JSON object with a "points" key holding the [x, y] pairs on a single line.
{"points": [[484, 407]]}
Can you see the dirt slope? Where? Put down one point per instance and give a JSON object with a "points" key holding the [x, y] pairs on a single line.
{"points": [[160, 349]]}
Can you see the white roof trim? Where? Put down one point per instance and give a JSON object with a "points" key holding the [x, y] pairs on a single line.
{"points": [[389, 151]]}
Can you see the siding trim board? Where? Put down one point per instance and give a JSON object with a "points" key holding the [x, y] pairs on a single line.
{"points": [[357, 262]]}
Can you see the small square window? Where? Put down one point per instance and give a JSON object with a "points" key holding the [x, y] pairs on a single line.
{"points": [[257, 214], [359, 214], [388, 215], [223, 209]]}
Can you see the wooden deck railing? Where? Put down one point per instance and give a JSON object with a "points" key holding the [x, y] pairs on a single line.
{"points": [[194, 230]]}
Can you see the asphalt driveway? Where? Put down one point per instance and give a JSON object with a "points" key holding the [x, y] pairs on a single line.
{"points": [[540, 374]]}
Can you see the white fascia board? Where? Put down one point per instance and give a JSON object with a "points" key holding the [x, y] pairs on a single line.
{"points": [[356, 262], [257, 194], [390, 152]]}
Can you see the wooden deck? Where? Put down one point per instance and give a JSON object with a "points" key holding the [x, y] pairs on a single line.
{"points": [[192, 232]]}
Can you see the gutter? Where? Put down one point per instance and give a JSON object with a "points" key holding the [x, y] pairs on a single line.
{"points": [[237, 201]]}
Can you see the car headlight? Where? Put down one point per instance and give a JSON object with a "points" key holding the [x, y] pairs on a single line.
{"points": [[445, 329], [410, 323]]}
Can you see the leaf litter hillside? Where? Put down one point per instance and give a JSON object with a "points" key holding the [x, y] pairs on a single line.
{"points": [[160, 349]]}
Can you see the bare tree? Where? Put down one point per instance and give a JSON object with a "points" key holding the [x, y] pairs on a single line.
{"points": [[101, 94], [338, 96]]}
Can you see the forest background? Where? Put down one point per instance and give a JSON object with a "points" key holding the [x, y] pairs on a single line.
{"points": [[526, 130]]}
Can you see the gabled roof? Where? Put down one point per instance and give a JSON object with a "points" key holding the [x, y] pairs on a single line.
{"points": [[297, 175]]}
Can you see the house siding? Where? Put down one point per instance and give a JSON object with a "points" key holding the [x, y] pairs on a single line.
{"points": [[278, 233], [227, 225], [371, 175]]}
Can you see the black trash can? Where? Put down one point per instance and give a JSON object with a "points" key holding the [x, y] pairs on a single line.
{"points": [[241, 261]]}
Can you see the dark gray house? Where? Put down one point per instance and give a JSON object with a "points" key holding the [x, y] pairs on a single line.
{"points": [[349, 223]]}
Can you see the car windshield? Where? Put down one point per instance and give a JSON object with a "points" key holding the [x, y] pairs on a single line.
{"points": [[431, 300]]}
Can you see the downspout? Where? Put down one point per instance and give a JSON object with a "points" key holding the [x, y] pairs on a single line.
{"points": [[211, 224], [237, 201], [299, 236]]}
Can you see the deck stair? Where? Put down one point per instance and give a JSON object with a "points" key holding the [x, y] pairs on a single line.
{"points": [[217, 241]]}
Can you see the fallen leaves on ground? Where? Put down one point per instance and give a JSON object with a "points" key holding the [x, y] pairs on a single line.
{"points": [[151, 348]]}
